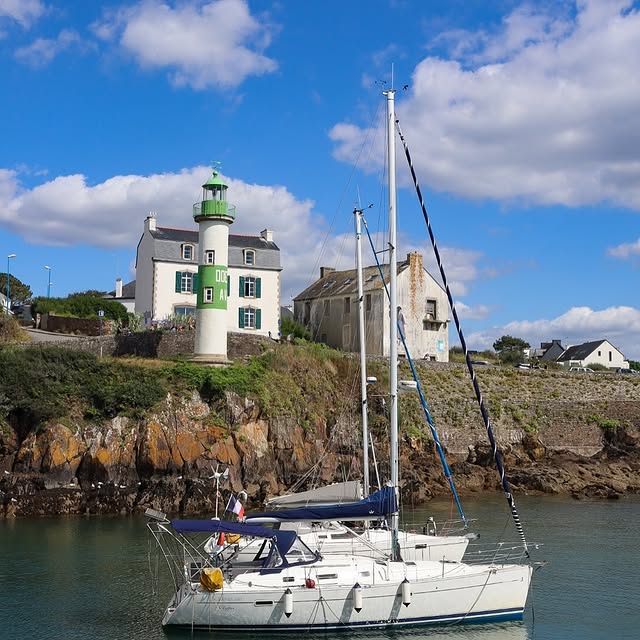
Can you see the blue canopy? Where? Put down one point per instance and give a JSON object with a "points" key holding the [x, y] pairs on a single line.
{"points": [[283, 540], [379, 504]]}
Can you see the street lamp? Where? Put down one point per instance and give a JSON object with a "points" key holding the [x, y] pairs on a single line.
{"points": [[11, 255], [48, 268]]}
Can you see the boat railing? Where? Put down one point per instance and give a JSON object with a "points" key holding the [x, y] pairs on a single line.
{"points": [[442, 528], [498, 554]]}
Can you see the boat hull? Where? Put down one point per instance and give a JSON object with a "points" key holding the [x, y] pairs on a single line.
{"points": [[498, 594]]}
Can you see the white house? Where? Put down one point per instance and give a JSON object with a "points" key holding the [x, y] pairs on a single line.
{"points": [[167, 271], [329, 308], [124, 294], [597, 352]]}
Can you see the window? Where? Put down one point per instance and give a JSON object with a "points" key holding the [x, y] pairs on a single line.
{"points": [[187, 252], [367, 302], [184, 311], [250, 287], [431, 309], [249, 256], [610, 356], [208, 294], [599, 353], [249, 318], [209, 257], [186, 282], [347, 305]]}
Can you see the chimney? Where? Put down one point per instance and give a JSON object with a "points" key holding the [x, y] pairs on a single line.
{"points": [[150, 222], [325, 271], [414, 260], [557, 342], [267, 234], [118, 288]]}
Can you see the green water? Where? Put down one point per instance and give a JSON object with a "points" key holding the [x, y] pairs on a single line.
{"points": [[77, 578]]}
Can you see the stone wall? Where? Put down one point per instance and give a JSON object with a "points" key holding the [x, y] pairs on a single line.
{"points": [[83, 326]]}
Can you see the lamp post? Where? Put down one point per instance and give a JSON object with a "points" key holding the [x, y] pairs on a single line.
{"points": [[11, 255], [48, 268]]}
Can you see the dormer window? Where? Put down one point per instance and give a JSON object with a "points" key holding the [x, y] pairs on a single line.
{"points": [[249, 256], [187, 252], [210, 257]]}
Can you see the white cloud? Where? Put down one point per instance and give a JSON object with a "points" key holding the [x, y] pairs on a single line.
{"points": [[67, 211], [619, 325], [477, 312], [24, 12], [202, 44], [44, 50], [544, 111], [625, 250]]}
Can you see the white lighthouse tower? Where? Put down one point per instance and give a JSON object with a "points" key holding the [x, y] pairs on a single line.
{"points": [[213, 215]]}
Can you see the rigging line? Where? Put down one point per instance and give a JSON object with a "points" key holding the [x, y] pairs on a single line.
{"points": [[483, 410], [423, 401]]}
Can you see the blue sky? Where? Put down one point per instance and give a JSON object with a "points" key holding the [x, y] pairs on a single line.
{"points": [[523, 120]]}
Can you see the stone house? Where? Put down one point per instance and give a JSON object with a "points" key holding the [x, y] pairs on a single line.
{"points": [[329, 308]]}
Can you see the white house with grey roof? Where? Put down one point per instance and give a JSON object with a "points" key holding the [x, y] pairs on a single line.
{"points": [[329, 308], [595, 352], [167, 271]]}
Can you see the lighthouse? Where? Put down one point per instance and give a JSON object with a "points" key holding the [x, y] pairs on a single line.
{"points": [[213, 215]]}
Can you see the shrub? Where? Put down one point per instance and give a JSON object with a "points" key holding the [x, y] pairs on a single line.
{"points": [[80, 306]]}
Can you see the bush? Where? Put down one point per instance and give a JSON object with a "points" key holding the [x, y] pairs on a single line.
{"points": [[80, 306], [290, 327]]}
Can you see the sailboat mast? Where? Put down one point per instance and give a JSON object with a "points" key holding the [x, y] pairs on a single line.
{"points": [[393, 314], [363, 355]]}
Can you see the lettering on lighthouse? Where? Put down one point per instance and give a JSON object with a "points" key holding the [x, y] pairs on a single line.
{"points": [[215, 279]]}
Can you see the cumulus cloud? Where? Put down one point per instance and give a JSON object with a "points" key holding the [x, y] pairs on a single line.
{"points": [[201, 44], [24, 12], [44, 50], [542, 111], [625, 250], [619, 325], [67, 211]]}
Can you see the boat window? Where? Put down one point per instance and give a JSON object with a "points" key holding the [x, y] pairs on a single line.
{"points": [[341, 536], [327, 576], [288, 579], [365, 574], [264, 603], [422, 546], [323, 537]]}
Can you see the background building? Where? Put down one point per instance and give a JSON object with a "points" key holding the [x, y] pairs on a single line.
{"points": [[167, 270], [329, 308]]}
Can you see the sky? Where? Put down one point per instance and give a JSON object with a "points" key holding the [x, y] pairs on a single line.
{"points": [[522, 119]]}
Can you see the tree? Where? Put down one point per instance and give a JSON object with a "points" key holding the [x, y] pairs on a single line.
{"points": [[510, 349], [20, 292]]}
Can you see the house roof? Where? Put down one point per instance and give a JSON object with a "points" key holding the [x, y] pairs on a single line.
{"points": [[186, 235], [343, 283], [128, 291], [580, 351], [338, 283]]}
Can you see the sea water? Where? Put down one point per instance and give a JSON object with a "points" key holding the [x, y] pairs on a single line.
{"points": [[90, 578]]}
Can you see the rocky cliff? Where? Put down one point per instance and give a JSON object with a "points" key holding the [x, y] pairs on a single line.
{"points": [[560, 434]]}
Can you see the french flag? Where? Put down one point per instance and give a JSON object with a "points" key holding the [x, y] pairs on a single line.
{"points": [[235, 506]]}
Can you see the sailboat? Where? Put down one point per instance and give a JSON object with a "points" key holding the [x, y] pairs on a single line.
{"points": [[330, 536], [286, 586]]}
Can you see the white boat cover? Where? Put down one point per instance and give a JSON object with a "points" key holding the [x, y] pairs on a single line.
{"points": [[338, 493]]}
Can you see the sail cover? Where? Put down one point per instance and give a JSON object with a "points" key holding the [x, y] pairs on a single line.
{"points": [[337, 493], [379, 504]]}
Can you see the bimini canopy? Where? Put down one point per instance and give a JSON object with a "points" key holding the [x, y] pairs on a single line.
{"points": [[283, 540], [378, 505]]}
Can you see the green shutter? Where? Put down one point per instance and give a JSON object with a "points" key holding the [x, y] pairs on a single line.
{"points": [[195, 283], [228, 286], [258, 318], [241, 288], [241, 318], [258, 287], [178, 281]]}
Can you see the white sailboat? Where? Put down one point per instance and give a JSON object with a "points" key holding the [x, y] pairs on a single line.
{"points": [[286, 586]]}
